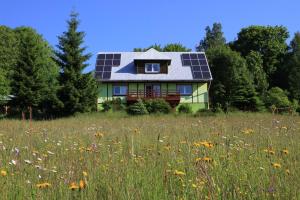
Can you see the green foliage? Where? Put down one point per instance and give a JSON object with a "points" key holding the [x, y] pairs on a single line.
{"points": [[137, 108], [8, 60], [205, 113], [232, 85], [277, 97], [172, 47], [35, 74], [267, 40], [115, 105], [158, 106], [214, 37], [258, 75], [78, 91], [185, 108], [175, 47]]}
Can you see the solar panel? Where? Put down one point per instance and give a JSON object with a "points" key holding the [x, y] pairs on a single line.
{"points": [[198, 64], [104, 65]]}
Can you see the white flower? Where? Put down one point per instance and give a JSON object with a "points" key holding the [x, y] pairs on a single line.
{"points": [[50, 152], [39, 159], [14, 162], [28, 161]]}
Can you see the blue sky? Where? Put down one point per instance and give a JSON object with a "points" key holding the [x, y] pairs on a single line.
{"points": [[121, 25]]}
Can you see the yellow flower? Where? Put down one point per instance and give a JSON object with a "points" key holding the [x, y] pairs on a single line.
{"points": [[82, 184], [276, 165], [269, 151], [85, 173], [207, 159], [179, 173], [285, 151], [43, 185], [73, 186], [248, 131], [99, 135], [3, 173]]}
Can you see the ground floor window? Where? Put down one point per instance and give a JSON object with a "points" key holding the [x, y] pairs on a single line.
{"points": [[185, 89], [120, 90]]}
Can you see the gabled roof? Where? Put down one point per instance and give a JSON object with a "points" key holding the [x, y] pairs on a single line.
{"points": [[126, 71], [152, 54]]}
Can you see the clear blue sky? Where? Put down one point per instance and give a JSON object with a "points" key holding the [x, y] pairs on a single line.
{"points": [[121, 25]]}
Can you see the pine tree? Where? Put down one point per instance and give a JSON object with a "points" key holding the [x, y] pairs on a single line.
{"points": [[35, 74], [214, 37], [78, 91]]}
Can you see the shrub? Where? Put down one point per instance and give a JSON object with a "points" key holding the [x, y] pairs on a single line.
{"points": [[137, 108], [158, 106], [115, 105], [106, 106], [185, 108], [204, 112], [277, 97]]}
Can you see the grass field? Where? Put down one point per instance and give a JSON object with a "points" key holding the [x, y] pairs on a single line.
{"points": [[97, 156]]}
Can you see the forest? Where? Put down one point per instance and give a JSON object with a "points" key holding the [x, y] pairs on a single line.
{"points": [[259, 71]]}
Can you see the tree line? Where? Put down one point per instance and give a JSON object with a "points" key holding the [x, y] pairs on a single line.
{"points": [[40, 80], [255, 72]]}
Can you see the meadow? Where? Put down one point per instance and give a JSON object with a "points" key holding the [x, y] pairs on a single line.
{"points": [[115, 156]]}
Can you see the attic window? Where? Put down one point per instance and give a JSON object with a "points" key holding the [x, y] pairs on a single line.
{"points": [[152, 68]]}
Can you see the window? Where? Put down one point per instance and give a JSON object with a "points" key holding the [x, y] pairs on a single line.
{"points": [[184, 89], [119, 90], [152, 67]]}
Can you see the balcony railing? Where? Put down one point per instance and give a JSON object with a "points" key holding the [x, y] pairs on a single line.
{"points": [[173, 97]]}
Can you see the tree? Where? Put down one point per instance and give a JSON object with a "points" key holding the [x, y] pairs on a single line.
{"points": [[35, 74], [277, 97], [78, 91], [293, 67], [8, 59], [267, 40], [172, 47], [175, 47], [232, 85], [155, 46], [258, 75], [214, 37]]}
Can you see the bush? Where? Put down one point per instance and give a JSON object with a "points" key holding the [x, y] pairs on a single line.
{"points": [[137, 108], [204, 112], [277, 97], [106, 106], [158, 106], [115, 105], [185, 108]]}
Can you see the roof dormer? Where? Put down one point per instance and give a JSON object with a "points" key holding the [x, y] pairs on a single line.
{"points": [[152, 62]]}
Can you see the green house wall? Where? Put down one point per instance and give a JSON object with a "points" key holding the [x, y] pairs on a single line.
{"points": [[198, 99]]}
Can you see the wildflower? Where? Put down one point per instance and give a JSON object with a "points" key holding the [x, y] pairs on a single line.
{"points": [[248, 131], [43, 185], [73, 186], [99, 135], [27, 161], [207, 159], [179, 173], [3, 173], [85, 173], [276, 165], [287, 171], [82, 184], [285, 151], [269, 151], [14, 162]]}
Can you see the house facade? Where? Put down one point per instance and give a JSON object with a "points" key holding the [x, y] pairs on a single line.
{"points": [[177, 77]]}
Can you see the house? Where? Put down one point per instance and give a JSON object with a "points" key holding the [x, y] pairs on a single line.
{"points": [[177, 77]]}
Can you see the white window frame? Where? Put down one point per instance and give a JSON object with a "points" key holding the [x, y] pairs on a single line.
{"points": [[152, 68], [122, 88], [185, 89]]}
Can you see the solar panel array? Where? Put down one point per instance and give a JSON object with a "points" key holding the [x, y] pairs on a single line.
{"points": [[198, 64], [104, 64]]}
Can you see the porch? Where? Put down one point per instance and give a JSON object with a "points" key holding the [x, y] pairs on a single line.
{"points": [[172, 97]]}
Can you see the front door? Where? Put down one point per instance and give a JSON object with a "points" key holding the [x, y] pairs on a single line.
{"points": [[152, 90]]}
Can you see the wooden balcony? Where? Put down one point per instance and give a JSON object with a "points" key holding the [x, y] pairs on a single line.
{"points": [[172, 97]]}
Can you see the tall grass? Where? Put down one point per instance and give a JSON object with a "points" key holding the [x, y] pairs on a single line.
{"points": [[244, 156]]}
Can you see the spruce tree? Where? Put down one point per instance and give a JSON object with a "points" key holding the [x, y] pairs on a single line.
{"points": [[35, 74], [78, 91]]}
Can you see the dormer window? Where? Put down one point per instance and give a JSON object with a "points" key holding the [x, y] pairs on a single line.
{"points": [[152, 68]]}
